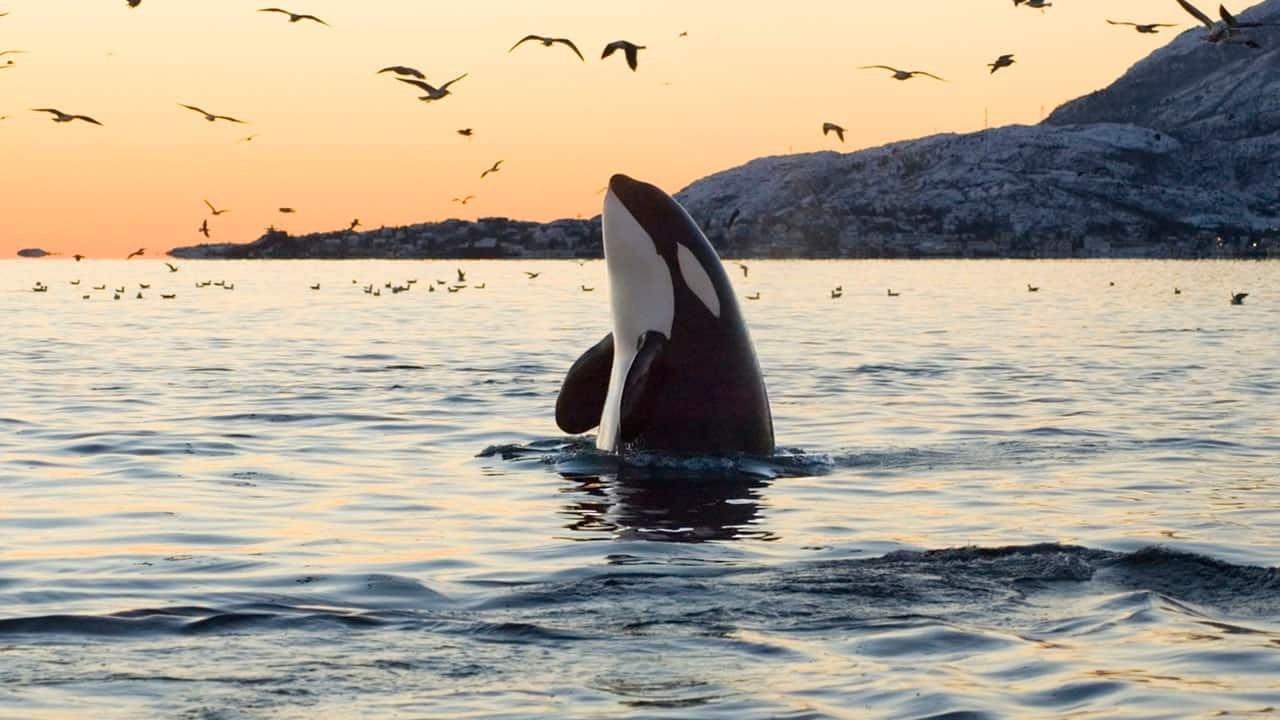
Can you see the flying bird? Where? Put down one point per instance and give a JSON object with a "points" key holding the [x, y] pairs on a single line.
{"points": [[355, 223], [1003, 61], [210, 116], [830, 127], [1228, 30], [172, 268], [903, 74], [204, 228], [1037, 4], [1238, 298], [78, 257], [1147, 28], [294, 17], [287, 210], [631, 50], [403, 70], [135, 254], [462, 275], [432, 92], [493, 169], [249, 138], [213, 210], [59, 116], [532, 275], [133, 3], [548, 42], [466, 132], [745, 270], [463, 200]]}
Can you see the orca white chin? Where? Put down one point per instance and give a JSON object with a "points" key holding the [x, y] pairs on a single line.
{"points": [[642, 300]]}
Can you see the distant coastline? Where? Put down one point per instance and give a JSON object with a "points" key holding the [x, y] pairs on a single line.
{"points": [[496, 238]]}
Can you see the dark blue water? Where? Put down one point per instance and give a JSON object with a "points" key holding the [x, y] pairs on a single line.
{"points": [[277, 502]]}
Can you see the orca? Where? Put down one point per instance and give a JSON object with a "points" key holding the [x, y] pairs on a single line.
{"points": [[678, 373]]}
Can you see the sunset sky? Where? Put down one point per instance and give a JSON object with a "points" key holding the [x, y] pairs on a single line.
{"points": [[336, 141]]}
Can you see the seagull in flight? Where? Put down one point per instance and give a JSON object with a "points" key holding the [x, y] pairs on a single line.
{"points": [[432, 92], [466, 132], [464, 200], [403, 70], [204, 228], [532, 275], [59, 116], [1147, 28], [172, 268], [249, 138], [1003, 61], [136, 253], [210, 116], [133, 3], [903, 74], [1228, 30], [548, 42], [1037, 4], [294, 17], [1238, 298], [287, 210], [830, 127], [631, 50], [213, 210], [78, 257], [493, 169], [355, 223]]}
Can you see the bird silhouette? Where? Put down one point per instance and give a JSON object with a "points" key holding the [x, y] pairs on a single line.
{"points": [[287, 210], [355, 223], [204, 228], [172, 268], [1145, 28], [213, 210], [432, 92], [1238, 298], [78, 257], [1032, 288], [493, 169], [210, 116], [134, 254], [1226, 31], [466, 132], [532, 275], [1003, 61], [755, 296], [892, 293], [294, 17], [61, 117], [902, 74], [630, 50], [462, 275], [830, 127], [463, 200], [548, 42], [745, 270], [403, 70]]}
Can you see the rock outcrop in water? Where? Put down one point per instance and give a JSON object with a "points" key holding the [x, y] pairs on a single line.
{"points": [[1180, 157], [33, 253]]}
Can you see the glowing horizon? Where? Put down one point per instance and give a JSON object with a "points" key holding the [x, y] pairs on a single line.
{"points": [[337, 141]]}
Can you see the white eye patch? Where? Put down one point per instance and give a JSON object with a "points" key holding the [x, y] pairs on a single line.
{"points": [[697, 279]]}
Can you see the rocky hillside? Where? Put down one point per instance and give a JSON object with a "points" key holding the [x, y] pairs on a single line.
{"points": [[1179, 157]]}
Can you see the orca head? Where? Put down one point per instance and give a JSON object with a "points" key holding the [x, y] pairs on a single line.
{"points": [[651, 245]]}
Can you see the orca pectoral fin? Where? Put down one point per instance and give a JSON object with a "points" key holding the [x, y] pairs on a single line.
{"points": [[585, 387], [642, 380]]}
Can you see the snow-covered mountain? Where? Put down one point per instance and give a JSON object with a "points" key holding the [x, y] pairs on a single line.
{"points": [[1179, 156]]}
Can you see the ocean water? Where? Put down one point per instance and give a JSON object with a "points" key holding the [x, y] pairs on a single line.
{"points": [[278, 502]]}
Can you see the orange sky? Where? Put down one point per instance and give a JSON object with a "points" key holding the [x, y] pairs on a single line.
{"points": [[336, 141]]}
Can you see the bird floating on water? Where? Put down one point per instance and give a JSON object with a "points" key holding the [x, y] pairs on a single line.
{"points": [[756, 296], [548, 42], [294, 17], [210, 116], [901, 74], [1033, 288], [1145, 28], [1238, 298], [630, 50], [61, 117], [830, 127], [892, 293]]}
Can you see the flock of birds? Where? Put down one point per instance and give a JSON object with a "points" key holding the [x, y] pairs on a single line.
{"points": [[1227, 30], [454, 286]]}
